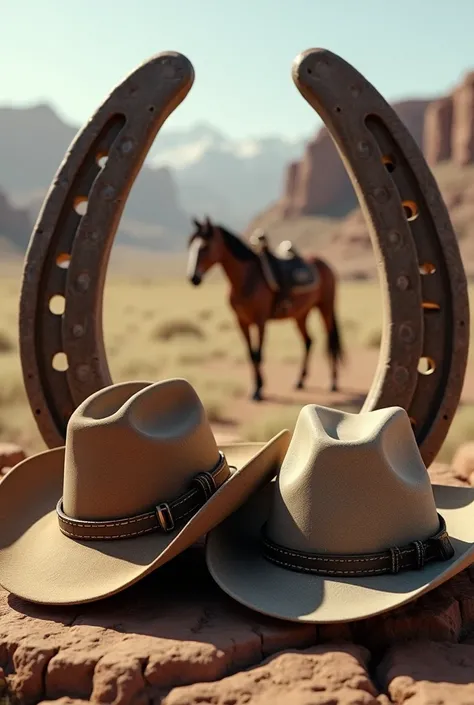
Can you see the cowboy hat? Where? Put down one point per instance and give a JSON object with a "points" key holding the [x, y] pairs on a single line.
{"points": [[139, 480], [349, 528]]}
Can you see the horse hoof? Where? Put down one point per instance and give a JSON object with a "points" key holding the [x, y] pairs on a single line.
{"points": [[300, 384], [257, 396], [334, 388]]}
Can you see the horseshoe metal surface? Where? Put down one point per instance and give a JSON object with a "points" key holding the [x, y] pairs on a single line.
{"points": [[425, 337], [67, 257], [426, 313]]}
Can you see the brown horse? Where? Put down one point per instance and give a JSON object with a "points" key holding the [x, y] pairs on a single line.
{"points": [[255, 303]]}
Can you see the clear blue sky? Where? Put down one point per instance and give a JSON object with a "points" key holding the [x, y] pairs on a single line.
{"points": [[71, 54]]}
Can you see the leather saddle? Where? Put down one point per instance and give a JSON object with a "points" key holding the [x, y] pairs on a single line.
{"points": [[287, 269]]}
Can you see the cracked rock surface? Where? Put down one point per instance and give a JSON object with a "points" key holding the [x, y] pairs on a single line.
{"points": [[176, 639]]}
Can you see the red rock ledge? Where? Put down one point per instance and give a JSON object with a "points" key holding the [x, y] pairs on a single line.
{"points": [[176, 639]]}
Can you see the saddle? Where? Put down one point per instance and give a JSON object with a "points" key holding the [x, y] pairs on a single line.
{"points": [[286, 269]]}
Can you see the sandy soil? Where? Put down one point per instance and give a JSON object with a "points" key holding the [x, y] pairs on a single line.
{"points": [[355, 381]]}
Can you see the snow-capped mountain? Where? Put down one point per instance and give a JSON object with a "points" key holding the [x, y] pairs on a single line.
{"points": [[230, 180]]}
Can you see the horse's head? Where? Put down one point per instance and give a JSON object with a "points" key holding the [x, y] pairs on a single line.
{"points": [[204, 250]]}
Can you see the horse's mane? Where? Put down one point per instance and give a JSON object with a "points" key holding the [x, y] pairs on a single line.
{"points": [[237, 246]]}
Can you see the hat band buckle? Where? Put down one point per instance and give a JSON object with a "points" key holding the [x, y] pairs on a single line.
{"points": [[165, 517]]}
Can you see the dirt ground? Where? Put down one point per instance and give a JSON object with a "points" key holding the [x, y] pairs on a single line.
{"points": [[282, 400], [157, 326]]}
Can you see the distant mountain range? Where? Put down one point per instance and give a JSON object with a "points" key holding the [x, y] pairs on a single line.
{"points": [[188, 172], [231, 180]]}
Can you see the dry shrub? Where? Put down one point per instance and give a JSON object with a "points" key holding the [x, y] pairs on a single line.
{"points": [[218, 354], [6, 343], [215, 411], [205, 314], [224, 325], [264, 427], [460, 431], [349, 325], [192, 358], [373, 339], [168, 330]]}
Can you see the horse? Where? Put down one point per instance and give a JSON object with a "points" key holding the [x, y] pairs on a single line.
{"points": [[254, 302]]}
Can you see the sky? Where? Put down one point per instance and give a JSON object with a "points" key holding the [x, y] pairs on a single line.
{"points": [[72, 54]]}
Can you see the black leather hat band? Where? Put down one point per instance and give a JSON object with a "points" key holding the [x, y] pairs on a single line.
{"points": [[165, 517], [413, 556]]}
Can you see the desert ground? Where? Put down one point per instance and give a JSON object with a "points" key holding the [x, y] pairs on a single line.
{"points": [[156, 326]]}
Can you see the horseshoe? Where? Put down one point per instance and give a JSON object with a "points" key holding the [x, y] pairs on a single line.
{"points": [[423, 281], [67, 257], [424, 288]]}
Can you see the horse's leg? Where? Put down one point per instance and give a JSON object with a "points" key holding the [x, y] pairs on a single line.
{"points": [[257, 360], [254, 357], [308, 341]]}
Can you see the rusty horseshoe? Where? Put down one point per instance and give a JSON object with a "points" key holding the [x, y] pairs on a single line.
{"points": [[424, 287], [67, 257], [425, 337]]}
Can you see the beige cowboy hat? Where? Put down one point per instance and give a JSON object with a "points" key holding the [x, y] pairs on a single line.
{"points": [[350, 527], [139, 480]]}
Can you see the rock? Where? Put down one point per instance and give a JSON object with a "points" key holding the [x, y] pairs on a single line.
{"points": [[290, 188], [319, 183], [336, 676], [426, 673], [145, 640], [318, 188], [463, 122], [463, 462], [10, 455], [170, 640], [437, 131]]}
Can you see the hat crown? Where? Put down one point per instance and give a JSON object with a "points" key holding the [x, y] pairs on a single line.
{"points": [[133, 445], [352, 483]]}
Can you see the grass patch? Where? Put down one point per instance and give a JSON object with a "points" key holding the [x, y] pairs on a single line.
{"points": [[168, 330], [7, 344]]}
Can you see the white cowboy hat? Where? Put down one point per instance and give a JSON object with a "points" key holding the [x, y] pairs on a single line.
{"points": [[351, 526], [139, 480]]}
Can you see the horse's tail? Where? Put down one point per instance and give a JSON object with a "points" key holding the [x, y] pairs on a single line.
{"points": [[334, 348], [327, 309]]}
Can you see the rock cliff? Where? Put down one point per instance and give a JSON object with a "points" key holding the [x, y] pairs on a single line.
{"points": [[319, 185], [15, 223], [444, 129], [37, 137]]}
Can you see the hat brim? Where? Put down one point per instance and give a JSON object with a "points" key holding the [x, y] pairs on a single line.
{"points": [[40, 564], [236, 563]]}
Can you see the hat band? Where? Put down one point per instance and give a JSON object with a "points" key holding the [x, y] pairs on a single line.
{"points": [[165, 517], [410, 557]]}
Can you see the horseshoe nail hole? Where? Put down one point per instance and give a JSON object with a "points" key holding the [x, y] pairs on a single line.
{"points": [[427, 268], [411, 210], [426, 366], [310, 70], [338, 109], [389, 162], [101, 159], [60, 362], [461, 323], [445, 417], [151, 109], [430, 306], [57, 304], [80, 205], [63, 260], [37, 412]]}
